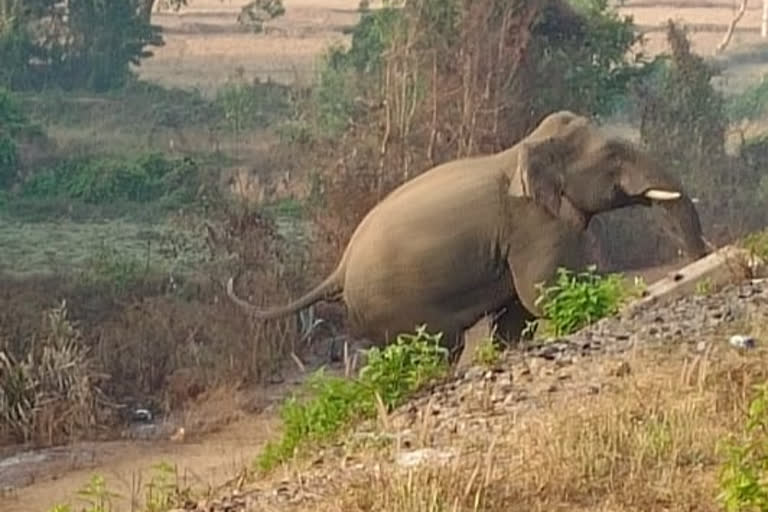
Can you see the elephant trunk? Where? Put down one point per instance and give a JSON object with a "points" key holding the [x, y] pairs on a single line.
{"points": [[685, 226]]}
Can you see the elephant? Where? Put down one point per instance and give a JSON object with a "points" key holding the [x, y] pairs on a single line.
{"points": [[474, 236]]}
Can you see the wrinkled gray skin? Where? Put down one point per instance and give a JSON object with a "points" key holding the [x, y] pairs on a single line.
{"points": [[474, 236]]}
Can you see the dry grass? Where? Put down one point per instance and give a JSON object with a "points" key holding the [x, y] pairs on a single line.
{"points": [[153, 346], [648, 441]]}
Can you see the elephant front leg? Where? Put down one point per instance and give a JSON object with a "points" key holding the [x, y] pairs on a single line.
{"points": [[534, 261]]}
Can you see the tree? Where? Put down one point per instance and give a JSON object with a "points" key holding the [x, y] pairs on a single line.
{"points": [[78, 44]]}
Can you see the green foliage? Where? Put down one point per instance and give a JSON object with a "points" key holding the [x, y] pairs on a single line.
{"points": [[102, 179], [370, 38], [683, 117], [347, 74], [399, 369], [335, 402], [333, 96], [743, 484], [89, 44], [586, 68], [581, 60], [487, 353], [757, 244], [578, 299], [389, 376], [750, 104], [161, 493], [250, 105], [60, 508], [97, 495]]}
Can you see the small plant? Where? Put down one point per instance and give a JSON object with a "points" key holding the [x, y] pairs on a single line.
{"points": [[704, 287], [163, 491], [60, 508], [405, 366], [389, 376], [743, 476], [757, 244], [97, 495], [578, 299], [487, 353]]}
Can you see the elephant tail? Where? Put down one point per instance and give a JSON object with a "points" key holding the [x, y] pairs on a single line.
{"points": [[329, 289]]}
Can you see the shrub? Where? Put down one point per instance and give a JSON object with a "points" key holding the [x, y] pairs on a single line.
{"points": [[578, 299], [742, 476], [587, 67], [251, 105], [757, 244], [88, 44], [52, 394], [487, 353], [102, 179], [389, 376], [751, 103], [683, 122]]}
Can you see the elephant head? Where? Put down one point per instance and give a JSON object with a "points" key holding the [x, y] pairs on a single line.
{"points": [[575, 171]]}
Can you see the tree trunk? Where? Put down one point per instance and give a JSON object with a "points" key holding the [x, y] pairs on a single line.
{"points": [[729, 34], [145, 9]]}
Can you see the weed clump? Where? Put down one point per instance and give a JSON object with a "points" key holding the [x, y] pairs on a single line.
{"points": [[53, 393], [389, 376], [578, 299], [742, 477]]}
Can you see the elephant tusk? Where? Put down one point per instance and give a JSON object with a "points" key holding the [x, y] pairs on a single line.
{"points": [[662, 195]]}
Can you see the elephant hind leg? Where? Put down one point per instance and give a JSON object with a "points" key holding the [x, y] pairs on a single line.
{"points": [[511, 323]]}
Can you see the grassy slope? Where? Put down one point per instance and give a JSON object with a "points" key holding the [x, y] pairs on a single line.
{"points": [[648, 441]]}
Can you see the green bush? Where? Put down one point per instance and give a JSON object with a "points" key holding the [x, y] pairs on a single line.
{"points": [[101, 179], [390, 375], [743, 484], [88, 44], [578, 299], [587, 69], [683, 116], [750, 104], [252, 104], [581, 56]]}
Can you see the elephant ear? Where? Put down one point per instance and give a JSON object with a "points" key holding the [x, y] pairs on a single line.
{"points": [[539, 176]]}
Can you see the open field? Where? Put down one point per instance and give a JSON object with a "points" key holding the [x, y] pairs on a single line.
{"points": [[204, 48]]}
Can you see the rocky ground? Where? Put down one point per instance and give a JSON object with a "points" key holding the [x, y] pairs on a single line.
{"points": [[444, 422]]}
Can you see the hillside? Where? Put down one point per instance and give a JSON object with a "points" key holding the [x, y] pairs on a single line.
{"points": [[623, 415]]}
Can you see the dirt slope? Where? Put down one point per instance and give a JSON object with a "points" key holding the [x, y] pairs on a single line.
{"points": [[548, 417]]}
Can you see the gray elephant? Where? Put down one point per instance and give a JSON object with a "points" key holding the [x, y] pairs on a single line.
{"points": [[474, 236]]}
